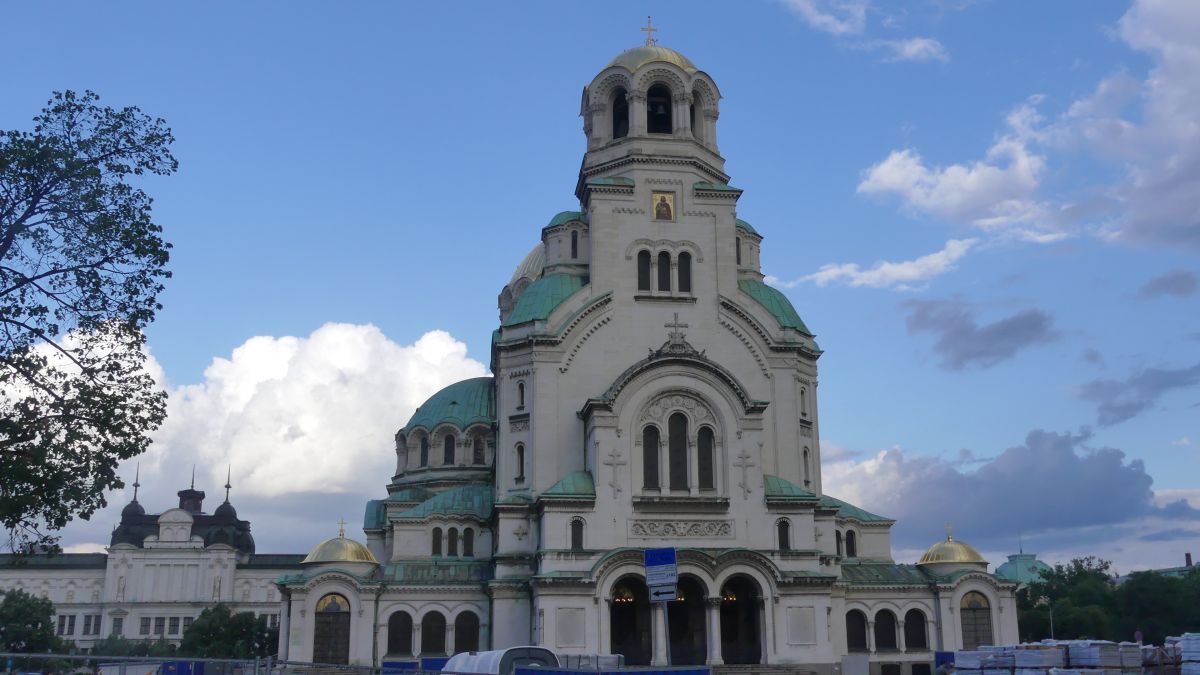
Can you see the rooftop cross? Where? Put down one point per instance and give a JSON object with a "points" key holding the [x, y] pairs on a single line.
{"points": [[137, 475], [650, 30], [228, 473], [675, 326], [341, 528]]}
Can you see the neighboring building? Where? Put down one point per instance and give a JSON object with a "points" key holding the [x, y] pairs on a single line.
{"points": [[649, 390], [160, 572], [1022, 568], [1177, 572]]}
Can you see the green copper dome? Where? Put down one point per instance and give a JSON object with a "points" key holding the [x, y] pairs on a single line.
{"points": [[774, 302], [540, 298], [461, 404]]}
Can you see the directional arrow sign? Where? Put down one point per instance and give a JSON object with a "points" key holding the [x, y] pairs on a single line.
{"points": [[662, 593]]}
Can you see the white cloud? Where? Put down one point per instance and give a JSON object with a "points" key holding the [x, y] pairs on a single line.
{"points": [[918, 49], [1183, 441], [901, 275], [837, 17], [85, 547]]}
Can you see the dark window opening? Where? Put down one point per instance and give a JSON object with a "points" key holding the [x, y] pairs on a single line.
{"points": [[466, 633], [658, 110], [704, 459], [785, 535], [437, 541], [577, 534], [650, 457], [520, 462], [448, 450], [452, 543], [885, 631], [856, 631], [468, 541], [424, 451], [677, 427], [685, 272], [737, 249], [643, 270], [664, 271], [433, 634], [914, 630], [620, 118], [851, 545], [400, 632]]}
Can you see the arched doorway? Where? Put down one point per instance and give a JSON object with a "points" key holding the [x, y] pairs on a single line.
{"points": [[885, 631], [629, 621], [331, 633], [976, 616], [914, 630], [856, 631], [400, 632], [433, 634], [686, 615], [740, 629], [466, 632]]}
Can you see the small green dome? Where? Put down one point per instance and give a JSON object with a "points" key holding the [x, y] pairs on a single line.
{"points": [[461, 404], [1022, 568]]}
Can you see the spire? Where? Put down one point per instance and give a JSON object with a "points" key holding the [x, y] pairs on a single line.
{"points": [[650, 30], [949, 532], [137, 476], [193, 477], [1020, 544], [228, 473]]}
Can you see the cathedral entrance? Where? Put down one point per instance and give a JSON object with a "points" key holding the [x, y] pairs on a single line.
{"points": [[331, 634], [741, 640], [686, 616], [629, 621]]}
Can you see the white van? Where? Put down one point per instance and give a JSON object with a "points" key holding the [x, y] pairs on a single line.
{"points": [[501, 661]]}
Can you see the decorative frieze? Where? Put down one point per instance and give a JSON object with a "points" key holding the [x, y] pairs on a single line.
{"points": [[679, 529]]}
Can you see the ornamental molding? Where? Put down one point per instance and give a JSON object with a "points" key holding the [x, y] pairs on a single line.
{"points": [[701, 214], [656, 245], [732, 195], [518, 426], [633, 210], [523, 372], [749, 344], [687, 162], [602, 90], [663, 181], [658, 75], [681, 529], [573, 322], [574, 351], [687, 401]]}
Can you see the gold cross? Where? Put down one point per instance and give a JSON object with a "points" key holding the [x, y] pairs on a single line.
{"points": [[949, 532], [341, 528], [650, 30]]}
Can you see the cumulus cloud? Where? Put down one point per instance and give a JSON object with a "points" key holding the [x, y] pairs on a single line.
{"points": [[900, 275], [1120, 400], [1181, 283], [836, 17], [963, 342], [1053, 484], [917, 49], [306, 423]]}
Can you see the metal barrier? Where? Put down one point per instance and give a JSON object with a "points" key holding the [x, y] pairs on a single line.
{"points": [[101, 664]]}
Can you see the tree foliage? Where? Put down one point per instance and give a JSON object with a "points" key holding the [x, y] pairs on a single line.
{"points": [[27, 623], [117, 645], [81, 267], [1088, 603], [219, 633]]}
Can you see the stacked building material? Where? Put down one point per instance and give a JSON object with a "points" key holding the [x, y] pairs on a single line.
{"points": [[1131, 657], [1040, 656], [1093, 654], [1189, 653]]}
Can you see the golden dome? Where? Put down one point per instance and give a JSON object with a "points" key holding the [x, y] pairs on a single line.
{"points": [[951, 551], [340, 549], [632, 59]]}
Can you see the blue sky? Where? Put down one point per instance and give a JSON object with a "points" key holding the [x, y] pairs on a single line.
{"points": [[1031, 169]]}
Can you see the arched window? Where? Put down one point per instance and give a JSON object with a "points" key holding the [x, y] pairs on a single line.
{"points": [[851, 544], [885, 631], [677, 449], [704, 459], [650, 457], [685, 272], [620, 114], [452, 543], [643, 270], [785, 535], [466, 633], [803, 402], [692, 120], [664, 271], [400, 632], [856, 631], [807, 465], [577, 534], [976, 616], [658, 110], [914, 630], [837, 537], [737, 249], [424, 451], [468, 538], [520, 462], [520, 395], [574, 244], [448, 450], [433, 634], [477, 455], [437, 541]]}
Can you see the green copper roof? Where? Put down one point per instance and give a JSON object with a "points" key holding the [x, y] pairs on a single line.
{"points": [[743, 225], [375, 515], [468, 500], [576, 484], [1022, 568], [541, 297], [437, 571], [886, 573], [847, 510], [461, 404], [774, 302], [567, 216], [776, 488], [410, 494], [714, 187]]}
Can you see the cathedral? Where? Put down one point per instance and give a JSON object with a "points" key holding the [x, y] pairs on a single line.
{"points": [[648, 390]]}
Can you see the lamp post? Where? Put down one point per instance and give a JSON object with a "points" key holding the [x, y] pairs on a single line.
{"points": [[1050, 607]]}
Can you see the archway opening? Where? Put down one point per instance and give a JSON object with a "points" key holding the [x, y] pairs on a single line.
{"points": [[629, 621], [620, 118], [885, 631], [466, 632], [740, 628], [433, 634], [856, 631], [400, 633], [914, 630], [689, 646], [658, 110], [976, 616], [331, 633]]}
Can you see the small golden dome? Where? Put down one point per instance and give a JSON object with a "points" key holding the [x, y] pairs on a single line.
{"points": [[340, 549], [951, 551], [632, 59]]}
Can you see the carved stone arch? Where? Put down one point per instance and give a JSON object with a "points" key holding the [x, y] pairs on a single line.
{"points": [[736, 562], [602, 89], [689, 402], [668, 77], [657, 245], [697, 365], [704, 93], [446, 428]]}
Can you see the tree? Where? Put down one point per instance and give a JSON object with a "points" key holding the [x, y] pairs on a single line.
{"points": [[81, 267], [218, 633], [27, 624]]}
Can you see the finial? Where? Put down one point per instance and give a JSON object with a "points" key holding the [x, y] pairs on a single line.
{"points": [[341, 528], [228, 473], [193, 476], [949, 532], [137, 476], [650, 30], [1020, 543]]}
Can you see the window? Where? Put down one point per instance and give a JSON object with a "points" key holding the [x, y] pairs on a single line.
{"points": [[677, 448], [838, 538], [520, 462], [574, 244], [704, 459], [144, 626], [452, 543], [577, 534], [118, 626], [468, 541], [424, 451], [187, 622], [620, 118], [976, 616], [520, 396], [851, 544], [685, 272], [885, 631], [650, 457], [437, 541], [807, 479], [803, 402], [433, 634], [664, 271], [66, 625], [173, 626], [400, 632], [160, 625], [658, 110], [856, 631], [87, 624], [737, 249], [477, 455], [466, 632], [785, 535], [272, 621], [692, 120], [448, 450], [914, 630], [643, 270]]}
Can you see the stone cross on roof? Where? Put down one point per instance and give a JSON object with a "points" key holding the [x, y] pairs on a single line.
{"points": [[650, 30]]}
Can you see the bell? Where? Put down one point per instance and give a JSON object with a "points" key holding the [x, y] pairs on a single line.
{"points": [[662, 110]]}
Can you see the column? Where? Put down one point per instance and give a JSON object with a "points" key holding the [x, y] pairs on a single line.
{"points": [[416, 641], [714, 631], [450, 646], [871, 636], [659, 636], [683, 116], [637, 113], [900, 637], [285, 628]]}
